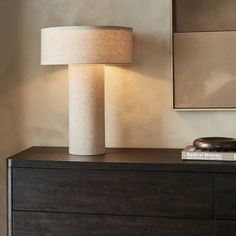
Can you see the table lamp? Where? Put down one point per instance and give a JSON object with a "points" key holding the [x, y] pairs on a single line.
{"points": [[85, 49]]}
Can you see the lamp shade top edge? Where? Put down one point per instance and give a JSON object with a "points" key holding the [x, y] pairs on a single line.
{"points": [[81, 27]]}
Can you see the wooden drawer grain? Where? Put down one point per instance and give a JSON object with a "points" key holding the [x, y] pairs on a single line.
{"points": [[58, 224], [225, 196], [225, 228], [137, 193]]}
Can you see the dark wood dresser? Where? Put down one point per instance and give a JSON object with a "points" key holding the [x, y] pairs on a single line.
{"points": [[124, 192]]}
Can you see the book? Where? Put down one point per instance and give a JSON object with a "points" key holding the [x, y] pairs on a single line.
{"points": [[191, 153]]}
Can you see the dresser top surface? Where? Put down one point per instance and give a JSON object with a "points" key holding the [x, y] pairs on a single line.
{"points": [[115, 158]]}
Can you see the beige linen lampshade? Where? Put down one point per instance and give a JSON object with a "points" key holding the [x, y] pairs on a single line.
{"points": [[76, 45], [86, 45]]}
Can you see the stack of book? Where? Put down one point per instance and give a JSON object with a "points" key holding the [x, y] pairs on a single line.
{"points": [[191, 153]]}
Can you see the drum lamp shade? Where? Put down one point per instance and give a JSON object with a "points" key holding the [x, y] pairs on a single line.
{"points": [[86, 45]]}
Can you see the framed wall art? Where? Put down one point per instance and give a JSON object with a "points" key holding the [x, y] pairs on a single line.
{"points": [[204, 54]]}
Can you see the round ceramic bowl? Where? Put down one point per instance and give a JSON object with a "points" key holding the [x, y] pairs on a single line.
{"points": [[215, 144]]}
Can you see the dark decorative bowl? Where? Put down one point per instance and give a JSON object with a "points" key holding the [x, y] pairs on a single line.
{"points": [[215, 144]]}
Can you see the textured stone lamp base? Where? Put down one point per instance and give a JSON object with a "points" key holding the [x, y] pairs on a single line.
{"points": [[86, 110]]}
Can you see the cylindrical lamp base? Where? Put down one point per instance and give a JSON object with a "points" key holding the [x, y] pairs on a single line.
{"points": [[86, 110]]}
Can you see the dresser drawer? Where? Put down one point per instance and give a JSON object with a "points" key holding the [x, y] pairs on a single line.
{"points": [[58, 224], [113, 192], [225, 228], [225, 196]]}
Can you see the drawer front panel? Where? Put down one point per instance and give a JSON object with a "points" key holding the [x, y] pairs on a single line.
{"points": [[113, 192], [225, 228], [47, 224], [225, 196]]}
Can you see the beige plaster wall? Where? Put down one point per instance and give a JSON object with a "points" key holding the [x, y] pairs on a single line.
{"points": [[33, 98]]}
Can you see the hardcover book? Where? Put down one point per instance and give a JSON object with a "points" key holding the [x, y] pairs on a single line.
{"points": [[191, 153]]}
